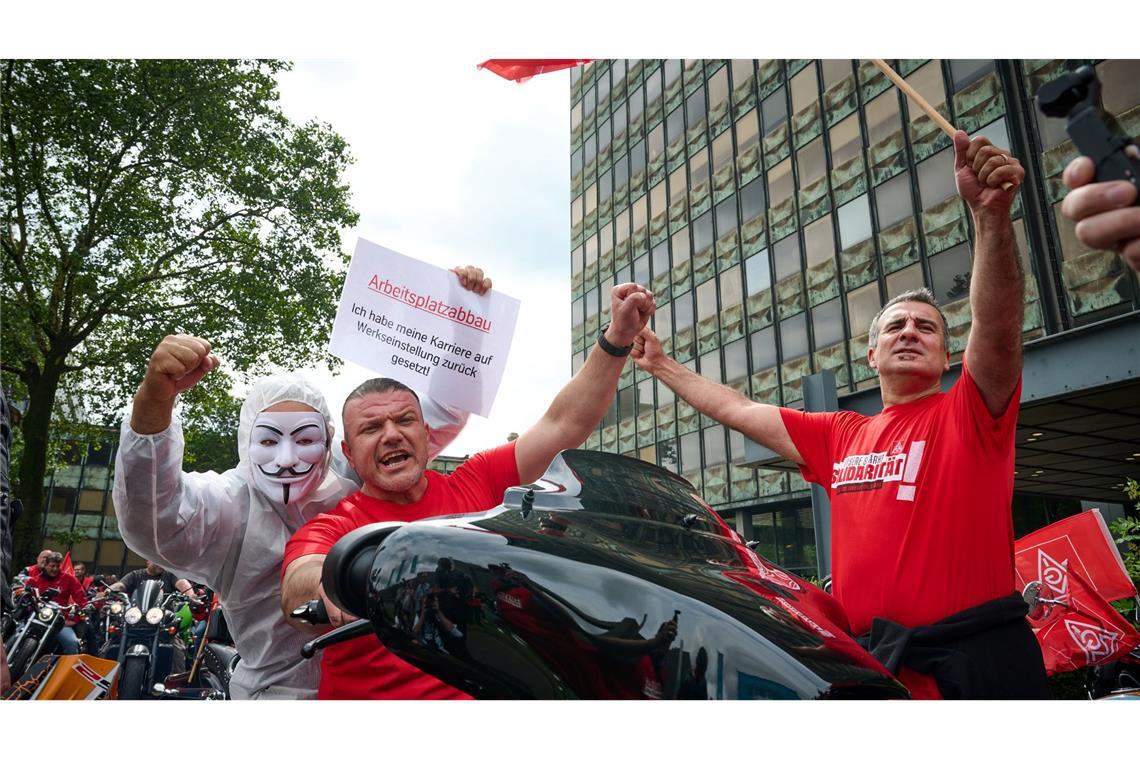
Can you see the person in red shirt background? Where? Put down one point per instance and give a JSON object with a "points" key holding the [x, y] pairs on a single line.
{"points": [[34, 570], [922, 528], [79, 570], [385, 441], [71, 593]]}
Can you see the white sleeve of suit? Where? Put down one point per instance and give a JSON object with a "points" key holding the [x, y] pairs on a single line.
{"points": [[181, 520]]}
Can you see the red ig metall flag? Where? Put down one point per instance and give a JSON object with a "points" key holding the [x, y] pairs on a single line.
{"points": [[1080, 572], [521, 69]]}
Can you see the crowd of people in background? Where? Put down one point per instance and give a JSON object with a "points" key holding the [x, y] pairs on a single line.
{"points": [[84, 596]]}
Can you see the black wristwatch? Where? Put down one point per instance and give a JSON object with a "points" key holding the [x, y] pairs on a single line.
{"points": [[610, 348]]}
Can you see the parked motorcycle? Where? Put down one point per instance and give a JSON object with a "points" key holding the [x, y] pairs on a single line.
{"points": [[148, 648], [611, 578], [106, 613], [215, 660], [35, 635]]}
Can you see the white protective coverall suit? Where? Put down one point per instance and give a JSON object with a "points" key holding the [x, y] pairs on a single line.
{"points": [[219, 529]]}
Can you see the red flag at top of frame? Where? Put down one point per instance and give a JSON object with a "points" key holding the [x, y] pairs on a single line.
{"points": [[521, 69]]}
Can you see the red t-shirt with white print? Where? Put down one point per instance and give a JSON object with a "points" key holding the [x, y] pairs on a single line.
{"points": [[921, 493]]}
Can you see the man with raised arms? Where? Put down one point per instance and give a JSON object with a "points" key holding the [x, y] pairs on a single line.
{"points": [[385, 441], [228, 530], [922, 531]]}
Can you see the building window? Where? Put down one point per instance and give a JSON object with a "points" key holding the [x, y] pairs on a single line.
{"points": [[893, 200], [854, 222], [950, 274], [805, 89], [819, 242], [763, 349], [862, 306], [967, 71], [827, 322], [780, 183], [774, 110], [794, 337], [904, 280], [936, 178], [846, 141]]}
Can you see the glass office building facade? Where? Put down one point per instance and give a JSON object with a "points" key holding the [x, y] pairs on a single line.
{"points": [[773, 206], [79, 516]]}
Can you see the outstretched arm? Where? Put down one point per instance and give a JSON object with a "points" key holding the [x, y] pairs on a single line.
{"points": [[581, 404], [760, 422], [997, 282]]}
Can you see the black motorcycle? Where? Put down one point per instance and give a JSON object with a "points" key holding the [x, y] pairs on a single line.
{"points": [[147, 646], [35, 635], [610, 579], [215, 660]]}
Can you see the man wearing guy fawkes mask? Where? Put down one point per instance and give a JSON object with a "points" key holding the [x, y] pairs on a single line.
{"points": [[229, 530]]}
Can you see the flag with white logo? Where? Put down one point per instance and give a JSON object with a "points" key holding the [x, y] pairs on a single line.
{"points": [[1083, 541], [1080, 572], [1082, 630]]}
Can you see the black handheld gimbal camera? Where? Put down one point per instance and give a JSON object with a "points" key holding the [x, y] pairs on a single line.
{"points": [[1095, 133]]}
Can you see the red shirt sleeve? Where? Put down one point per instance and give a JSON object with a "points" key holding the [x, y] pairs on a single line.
{"points": [[483, 478], [993, 433], [812, 433], [316, 536]]}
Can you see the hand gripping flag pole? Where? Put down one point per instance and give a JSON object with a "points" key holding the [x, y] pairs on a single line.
{"points": [[920, 101]]}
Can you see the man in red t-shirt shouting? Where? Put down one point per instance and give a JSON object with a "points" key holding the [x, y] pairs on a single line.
{"points": [[922, 531], [385, 440]]}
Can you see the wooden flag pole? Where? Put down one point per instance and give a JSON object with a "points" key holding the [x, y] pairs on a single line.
{"points": [[920, 101]]}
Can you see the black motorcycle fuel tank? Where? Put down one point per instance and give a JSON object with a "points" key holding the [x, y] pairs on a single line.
{"points": [[609, 579]]}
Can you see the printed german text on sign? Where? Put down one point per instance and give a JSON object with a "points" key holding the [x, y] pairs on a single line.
{"points": [[414, 322]]}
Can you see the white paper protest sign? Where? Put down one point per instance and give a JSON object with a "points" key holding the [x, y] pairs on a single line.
{"points": [[415, 323]]}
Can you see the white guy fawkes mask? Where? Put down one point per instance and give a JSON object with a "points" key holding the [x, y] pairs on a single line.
{"points": [[287, 453]]}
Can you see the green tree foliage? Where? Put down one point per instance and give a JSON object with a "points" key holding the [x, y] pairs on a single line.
{"points": [[144, 198], [1127, 532]]}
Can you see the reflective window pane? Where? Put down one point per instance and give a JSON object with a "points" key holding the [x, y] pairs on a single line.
{"points": [[950, 274], [786, 254], [967, 71], [819, 242], [827, 322], [763, 349], [774, 109], [793, 336], [862, 306], [756, 272], [893, 200], [936, 178], [854, 222]]}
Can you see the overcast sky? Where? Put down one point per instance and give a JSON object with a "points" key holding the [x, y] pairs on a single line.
{"points": [[455, 165]]}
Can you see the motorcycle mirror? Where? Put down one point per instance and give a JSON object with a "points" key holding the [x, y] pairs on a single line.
{"points": [[1032, 596], [344, 574]]}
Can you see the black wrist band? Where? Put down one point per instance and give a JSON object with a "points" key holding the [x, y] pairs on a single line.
{"points": [[610, 348]]}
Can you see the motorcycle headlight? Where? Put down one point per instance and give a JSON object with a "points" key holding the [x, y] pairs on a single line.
{"points": [[134, 615], [116, 608], [46, 614], [154, 616]]}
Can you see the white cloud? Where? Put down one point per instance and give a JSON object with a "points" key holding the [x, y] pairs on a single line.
{"points": [[457, 166]]}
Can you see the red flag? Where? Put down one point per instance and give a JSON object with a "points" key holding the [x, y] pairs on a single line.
{"points": [[522, 69], [66, 566], [1082, 628], [1085, 545]]}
